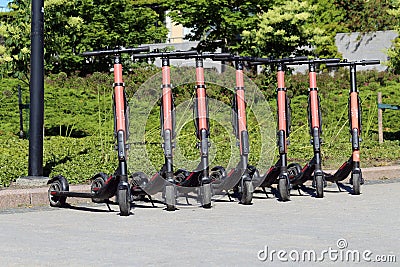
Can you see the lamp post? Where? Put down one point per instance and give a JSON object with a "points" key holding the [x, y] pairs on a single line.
{"points": [[36, 121]]}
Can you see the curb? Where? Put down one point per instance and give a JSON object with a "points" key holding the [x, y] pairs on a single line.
{"points": [[31, 197]]}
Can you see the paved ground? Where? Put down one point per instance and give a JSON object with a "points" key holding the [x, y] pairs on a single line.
{"points": [[25, 196], [229, 234]]}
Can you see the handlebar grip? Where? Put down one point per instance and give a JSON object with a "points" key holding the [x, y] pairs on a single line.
{"points": [[370, 62], [331, 65], [136, 49], [222, 55], [329, 60], [180, 54]]}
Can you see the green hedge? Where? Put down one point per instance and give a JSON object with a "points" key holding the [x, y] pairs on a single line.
{"points": [[79, 122]]}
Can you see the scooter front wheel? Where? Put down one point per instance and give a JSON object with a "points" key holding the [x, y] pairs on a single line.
{"points": [[356, 179], [170, 197], [205, 195], [319, 186], [124, 201], [247, 193], [284, 189]]}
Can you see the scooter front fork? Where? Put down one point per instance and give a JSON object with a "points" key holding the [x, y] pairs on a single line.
{"points": [[282, 145], [168, 147], [316, 142], [204, 146], [123, 173]]}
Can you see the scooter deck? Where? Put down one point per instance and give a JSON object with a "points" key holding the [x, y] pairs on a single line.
{"points": [[230, 181], [271, 177], [342, 173], [72, 194]]}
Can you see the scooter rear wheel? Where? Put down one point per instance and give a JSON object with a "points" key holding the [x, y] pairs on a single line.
{"points": [[319, 186], [283, 188], [98, 182], [247, 193], [124, 201], [218, 174], [294, 169], [356, 178], [59, 184]]}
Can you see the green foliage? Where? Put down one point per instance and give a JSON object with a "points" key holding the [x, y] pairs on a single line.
{"points": [[212, 21], [15, 29], [72, 27], [366, 16], [79, 137], [282, 29]]}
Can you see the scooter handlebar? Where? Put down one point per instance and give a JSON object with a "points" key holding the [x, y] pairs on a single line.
{"points": [[260, 60], [132, 50], [354, 63], [317, 60]]}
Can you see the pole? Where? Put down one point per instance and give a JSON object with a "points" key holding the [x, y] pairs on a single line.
{"points": [[380, 126], [36, 120], [20, 107]]}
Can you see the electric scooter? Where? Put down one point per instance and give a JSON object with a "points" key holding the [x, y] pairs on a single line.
{"points": [[239, 178], [103, 186], [352, 165], [279, 173], [200, 177], [313, 169]]}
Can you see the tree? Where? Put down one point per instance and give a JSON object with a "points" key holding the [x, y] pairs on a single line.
{"points": [[217, 23], [256, 27], [394, 51], [286, 28], [72, 27], [15, 27], [366, 16]]}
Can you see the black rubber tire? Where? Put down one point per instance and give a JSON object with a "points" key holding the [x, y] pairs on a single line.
{"points": [[284, 190], [181, 175], [294, 169], [170, 198], [98, 182], [319, 186], [124, 202], [59, 184], [356, 179], [247, 193], [217, 174], [205, 195]]}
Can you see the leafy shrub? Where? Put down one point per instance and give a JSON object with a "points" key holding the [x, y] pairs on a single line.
{"points": [[79, 122]]}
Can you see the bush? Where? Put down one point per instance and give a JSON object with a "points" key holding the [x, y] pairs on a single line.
{"points": [[79, 133]]}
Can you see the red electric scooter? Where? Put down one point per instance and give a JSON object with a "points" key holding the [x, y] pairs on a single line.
{"points": [[279, 173], [105, 186], [352, 165], [239, 178], [312, 170]]}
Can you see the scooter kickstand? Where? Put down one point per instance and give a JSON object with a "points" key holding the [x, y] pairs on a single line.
{"points": [[338, 185], [299, 190], [187, 199], [151, 200], [265, 191], [108, 206]]}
